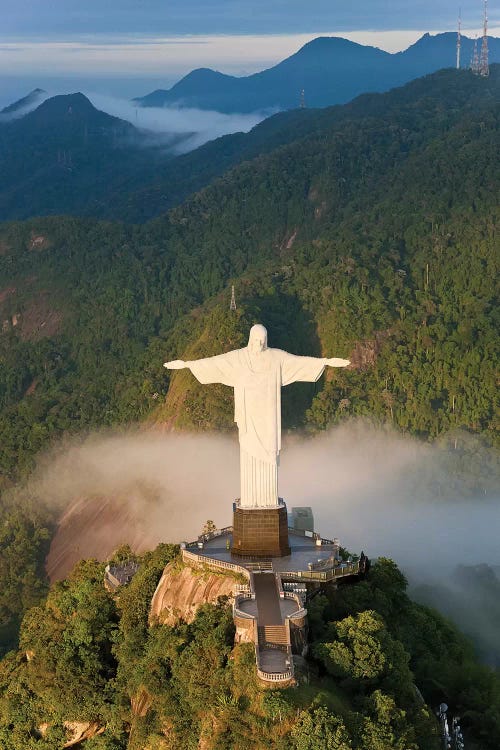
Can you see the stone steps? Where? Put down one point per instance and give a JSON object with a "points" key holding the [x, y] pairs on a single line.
{"points": [[272, 634]]}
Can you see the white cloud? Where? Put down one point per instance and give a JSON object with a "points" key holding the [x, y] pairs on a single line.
{"points": [[199, 126], [176, 56], [375, 490], [202, 125]]}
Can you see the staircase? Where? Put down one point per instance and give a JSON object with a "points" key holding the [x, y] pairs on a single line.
{"points": [[272, 635]]}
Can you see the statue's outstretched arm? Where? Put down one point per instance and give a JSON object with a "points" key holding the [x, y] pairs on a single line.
{"points": [[217, 369], [336, 362], [176, 364]]}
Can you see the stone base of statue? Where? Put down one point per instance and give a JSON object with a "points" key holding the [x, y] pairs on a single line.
{"points": [[260, 532]]}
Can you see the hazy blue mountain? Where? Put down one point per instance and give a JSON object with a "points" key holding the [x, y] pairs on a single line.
{"points": [[66, 155], [70, 112], [27, 102], [330, 70]]}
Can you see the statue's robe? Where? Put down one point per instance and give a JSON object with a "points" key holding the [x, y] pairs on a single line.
{"points": [[257, 380]]}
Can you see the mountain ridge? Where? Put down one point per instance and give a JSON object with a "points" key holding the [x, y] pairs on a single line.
{"points": [[379, 230], [67, 153], [331, 70]]}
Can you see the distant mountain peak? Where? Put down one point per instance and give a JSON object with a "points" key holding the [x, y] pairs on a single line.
{"points": [[26, 102], [329, 69], [76, 101], [69, 107]]}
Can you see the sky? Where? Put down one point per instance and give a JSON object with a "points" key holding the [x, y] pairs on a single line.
{"points": [[129, 47], [179, 17]]}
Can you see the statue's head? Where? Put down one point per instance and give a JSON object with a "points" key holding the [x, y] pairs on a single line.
{"points": [[257, 341]]}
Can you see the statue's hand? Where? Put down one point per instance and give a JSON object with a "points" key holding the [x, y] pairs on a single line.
{"points": [[336, 362], [175, 364]]}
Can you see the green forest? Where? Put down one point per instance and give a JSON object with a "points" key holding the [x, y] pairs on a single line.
{"points": [[86, 656], [376, 240], [368, 231]]}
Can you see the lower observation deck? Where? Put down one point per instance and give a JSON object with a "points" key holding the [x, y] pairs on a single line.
{"points": [[272, 618]]}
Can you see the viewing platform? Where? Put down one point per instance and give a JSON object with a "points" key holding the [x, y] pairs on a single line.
{"points": [[266, 612]]}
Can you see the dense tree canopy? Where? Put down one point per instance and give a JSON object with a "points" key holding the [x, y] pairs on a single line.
{"points": [[375, 239], [87, 656]]}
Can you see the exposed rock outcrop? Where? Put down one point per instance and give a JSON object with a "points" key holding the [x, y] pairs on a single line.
{"points": [[182, 590]]}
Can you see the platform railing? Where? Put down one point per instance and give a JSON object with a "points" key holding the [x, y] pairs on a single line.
{"points": [[325, 575], [213, 563], [314, 536], [275, 676], [291, 595], [239, 599], [266, 676], [211, 535], [263, 674], [263, 565]]}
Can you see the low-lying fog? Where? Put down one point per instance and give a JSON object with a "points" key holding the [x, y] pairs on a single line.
{"points": [[198, 126], [203, 125], [377, 491]]}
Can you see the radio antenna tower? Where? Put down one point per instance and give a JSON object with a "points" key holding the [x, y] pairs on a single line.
{"points": [[459, 37], [232, 306], [484, 67], [474, 64], [302, 99]]}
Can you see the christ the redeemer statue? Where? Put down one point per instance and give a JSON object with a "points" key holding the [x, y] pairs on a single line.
{"points": [[257, 373]]}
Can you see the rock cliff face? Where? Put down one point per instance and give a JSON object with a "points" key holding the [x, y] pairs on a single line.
{"points": [[181, 592], [95, 527]]}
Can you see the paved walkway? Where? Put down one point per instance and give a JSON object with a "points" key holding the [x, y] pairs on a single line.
{"points": [[287, 606], [272, 660], [267, 598]]}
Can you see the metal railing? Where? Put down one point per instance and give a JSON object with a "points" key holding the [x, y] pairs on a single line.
{"points": [[211, 562], [340, 571], [314, 536], [259, 566], [211, 535]]}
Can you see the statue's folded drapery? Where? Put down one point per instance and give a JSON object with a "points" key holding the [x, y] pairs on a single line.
{"points": [[257, 386]]}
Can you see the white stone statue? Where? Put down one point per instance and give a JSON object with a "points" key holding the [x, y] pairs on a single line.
{"points": [[257, 373]]}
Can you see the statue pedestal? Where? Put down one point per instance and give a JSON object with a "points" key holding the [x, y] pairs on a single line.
{"points": [[260, 532]]}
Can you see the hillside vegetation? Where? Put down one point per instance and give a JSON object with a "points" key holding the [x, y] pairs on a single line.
{"points": [[373, 237], [89, 662], [66, 156], [376, 240]]}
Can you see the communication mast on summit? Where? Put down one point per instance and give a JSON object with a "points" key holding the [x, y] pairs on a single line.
{"points": [[474, 65], [459, 38], [484, 67]]}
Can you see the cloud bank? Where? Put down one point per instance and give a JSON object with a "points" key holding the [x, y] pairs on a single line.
{"points": [[374, 490], [200, 125], [184, 128]]}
